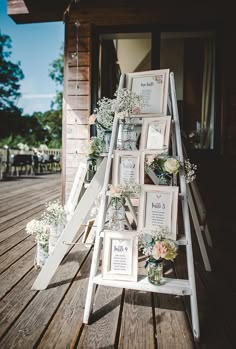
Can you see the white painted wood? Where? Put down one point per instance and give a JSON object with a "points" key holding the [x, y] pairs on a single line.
{"points": [[185, 210], [170, 286], [101, 220], [76, 189], [198, 231], [71, 229]]}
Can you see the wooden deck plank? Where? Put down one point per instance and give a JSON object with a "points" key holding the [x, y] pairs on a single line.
{"points": [[41, 198], [23, 201], [29, 327], [66, 325], [137, 321], [103, 331], [171, 318], [12, 241], [21, 224], [16, 217], [10, 257], [15, 301], [10, 277]]}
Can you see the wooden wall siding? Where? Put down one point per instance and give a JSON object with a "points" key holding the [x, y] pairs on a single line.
{"points": [[77, 100]]}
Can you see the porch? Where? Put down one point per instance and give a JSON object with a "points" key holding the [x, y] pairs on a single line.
{"points": [[122, 318]]}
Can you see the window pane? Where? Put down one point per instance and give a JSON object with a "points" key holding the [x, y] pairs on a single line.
{"points": [[191, 56]]}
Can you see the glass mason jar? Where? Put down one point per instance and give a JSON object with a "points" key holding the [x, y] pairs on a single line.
{"points": [[128, 137], [107, 140], [164, 179], [155, 271], [91, 169], [116, 214], [41, 254]]}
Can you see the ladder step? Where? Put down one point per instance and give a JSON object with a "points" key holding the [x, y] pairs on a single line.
{"points": [[178, 287]]}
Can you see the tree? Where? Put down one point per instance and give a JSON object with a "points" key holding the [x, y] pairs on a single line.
{"points": [[10, 76], [56, 73]]}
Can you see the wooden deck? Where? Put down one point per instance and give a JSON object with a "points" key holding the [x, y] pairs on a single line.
{"points": [[53, 318]]}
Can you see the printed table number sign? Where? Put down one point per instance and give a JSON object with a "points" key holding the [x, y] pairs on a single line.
{"points": [[126, 167], [153, 87], [155, 133], [158, 208], [120, 255]]}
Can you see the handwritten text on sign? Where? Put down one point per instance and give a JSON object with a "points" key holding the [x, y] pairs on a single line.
{"points": [[121, 256], [155, 136], [158, 210], [128, 170], [151, 88]]}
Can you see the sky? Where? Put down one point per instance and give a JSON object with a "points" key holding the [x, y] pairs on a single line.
{"points": [[36, 46]]}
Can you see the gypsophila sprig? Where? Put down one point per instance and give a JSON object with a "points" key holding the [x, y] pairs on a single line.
{"points": [[40, 230], [55, 213], [122, 191], [127, 102], [124, 104], [190, 171]]}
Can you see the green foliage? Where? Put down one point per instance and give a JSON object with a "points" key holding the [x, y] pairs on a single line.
{"points": [[38, 128], [10, 76], [56, 73]]}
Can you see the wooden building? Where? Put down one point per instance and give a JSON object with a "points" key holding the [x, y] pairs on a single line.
{"points": [[194, 39]]}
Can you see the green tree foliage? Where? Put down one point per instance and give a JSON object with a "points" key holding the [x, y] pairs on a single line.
{"points": [[56, 73], [10, 76], [38, 128]]}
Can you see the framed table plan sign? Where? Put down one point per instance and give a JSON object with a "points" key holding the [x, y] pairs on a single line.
{"points": [[155, 133], [120, 255], [126, 167], [158, 208], [153, 86]]}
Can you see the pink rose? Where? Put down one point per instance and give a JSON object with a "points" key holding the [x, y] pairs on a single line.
{"points": [[159, 250], [136, 110]]}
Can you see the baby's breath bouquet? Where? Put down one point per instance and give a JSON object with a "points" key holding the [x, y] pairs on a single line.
{"points": [[47, 229], [54, 213], [124, 104], [40, 230]]}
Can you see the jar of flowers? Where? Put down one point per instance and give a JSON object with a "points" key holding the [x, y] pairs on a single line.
{"points": [[40, 230], [124, 104], [93, 150], [158, 248], [165, 167], [47, 230], [116, 210], [54, 217]]}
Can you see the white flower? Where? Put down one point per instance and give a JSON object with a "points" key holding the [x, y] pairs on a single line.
{"points": [[171, 165]]}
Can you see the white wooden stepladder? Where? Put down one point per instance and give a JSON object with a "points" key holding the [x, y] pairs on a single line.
{"points": [[181, 287]]}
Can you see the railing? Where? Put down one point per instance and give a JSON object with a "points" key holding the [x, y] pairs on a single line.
{"points": [[7, 155]]}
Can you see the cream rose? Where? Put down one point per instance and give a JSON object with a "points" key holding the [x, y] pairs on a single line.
{"points": [[171, 165]]}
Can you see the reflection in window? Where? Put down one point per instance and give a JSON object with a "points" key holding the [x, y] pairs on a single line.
{"points": [[121, 53], [191, 56]]}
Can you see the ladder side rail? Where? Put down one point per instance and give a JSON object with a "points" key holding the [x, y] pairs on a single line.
{"points": [[101, 219], [186, 219]]}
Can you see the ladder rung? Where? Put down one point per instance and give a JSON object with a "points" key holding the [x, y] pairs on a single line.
{"points": [[179, 287]]}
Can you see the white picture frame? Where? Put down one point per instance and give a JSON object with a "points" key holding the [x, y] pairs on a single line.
{"points": [[155, 133], [126, 167], [158, 208], [120, 255], [153, 86]]}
